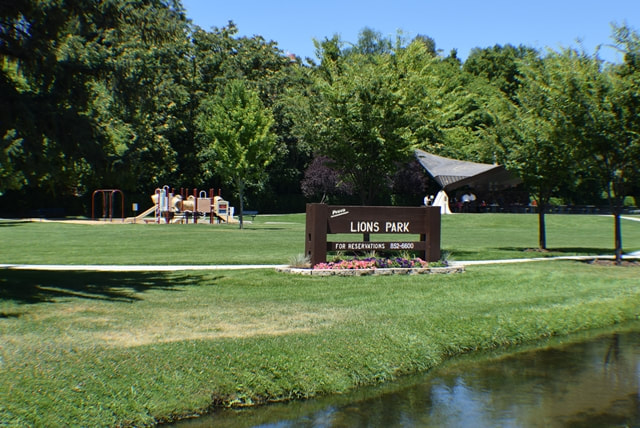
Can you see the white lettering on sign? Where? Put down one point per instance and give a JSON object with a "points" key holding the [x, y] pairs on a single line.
{"points": [[354, 246], [396, 227], [401, 245], [338, 213], [365, 226]]}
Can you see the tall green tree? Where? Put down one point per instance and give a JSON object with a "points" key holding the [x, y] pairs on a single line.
{"points": [[500, 65], [612, 125], [236, 142], [452, 112], [93, 90], [356, 117], [370, 43], [220, 56], [148, 82], [44, 91], [579, 119], [548, 119]]}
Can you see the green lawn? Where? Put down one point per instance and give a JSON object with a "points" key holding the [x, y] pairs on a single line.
{"points": [[102, 349], [276, 239]]}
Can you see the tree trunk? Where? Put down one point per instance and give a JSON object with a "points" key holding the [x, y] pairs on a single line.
{"points": [[542, 231], [617, 203], [240, 185], [618, 236]]}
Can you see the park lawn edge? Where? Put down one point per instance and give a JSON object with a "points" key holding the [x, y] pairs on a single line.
{"points": [[243, 400], [371, 347], [518, 345]]}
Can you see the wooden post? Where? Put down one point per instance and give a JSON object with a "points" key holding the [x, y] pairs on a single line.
{"points": [[316, 233], [432, 237]]}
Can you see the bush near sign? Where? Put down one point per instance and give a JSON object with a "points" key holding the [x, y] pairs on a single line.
{"points": [[323, 220]]}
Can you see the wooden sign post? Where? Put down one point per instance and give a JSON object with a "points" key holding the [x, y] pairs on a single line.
{"points": [[323, 220]]}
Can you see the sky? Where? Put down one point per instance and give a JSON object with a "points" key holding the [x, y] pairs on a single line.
{"points": [[453, 24]]}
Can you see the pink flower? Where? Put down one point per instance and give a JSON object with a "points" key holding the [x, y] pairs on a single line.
{"points": [[372, 263]]}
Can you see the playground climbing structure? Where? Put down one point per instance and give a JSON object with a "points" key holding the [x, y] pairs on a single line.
{"points": [[186, 207]]}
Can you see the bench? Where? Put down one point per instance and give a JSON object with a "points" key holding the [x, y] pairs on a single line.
{"points": [[251, 214]]}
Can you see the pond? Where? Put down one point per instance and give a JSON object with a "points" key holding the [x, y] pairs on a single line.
{"points": [[572, 382]]}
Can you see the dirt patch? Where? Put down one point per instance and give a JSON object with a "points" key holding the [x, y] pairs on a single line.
{"points": [[92, 324], [185, 327]]}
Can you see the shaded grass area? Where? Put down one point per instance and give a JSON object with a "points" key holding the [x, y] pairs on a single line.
{"points": [[101, 349], [30, 287], [277, 239]]}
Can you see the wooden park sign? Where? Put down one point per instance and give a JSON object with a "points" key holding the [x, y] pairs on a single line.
{"points": [[323, 220]]}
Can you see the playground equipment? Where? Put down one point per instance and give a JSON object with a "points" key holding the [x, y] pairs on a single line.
{"points": [[171, 207], [107, 203]]}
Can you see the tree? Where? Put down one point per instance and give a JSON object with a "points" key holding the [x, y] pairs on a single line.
{"points": [[220, 56], [410, 182], [548, 119], [146, 94], [357, 118], [451, 112], [321, 180], [94, 92], [614, 142], [612, 126], [580, 119], [429, 42], [500, 65], [370, 42], [236, 140]]}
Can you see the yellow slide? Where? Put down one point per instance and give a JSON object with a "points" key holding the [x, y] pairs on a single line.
{"points": [[140, 216]]}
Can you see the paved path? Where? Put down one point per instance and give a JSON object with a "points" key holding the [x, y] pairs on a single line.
{"points": [[172, 268], [635, 256], [134, 268]]}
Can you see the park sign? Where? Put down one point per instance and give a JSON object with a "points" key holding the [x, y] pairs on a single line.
{"points": [[323, 220]]}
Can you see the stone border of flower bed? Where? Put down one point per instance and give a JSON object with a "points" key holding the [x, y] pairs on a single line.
{"points": [[373, 271]]}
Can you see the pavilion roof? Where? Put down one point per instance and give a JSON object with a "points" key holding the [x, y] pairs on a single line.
{"points": [[452, 174]]}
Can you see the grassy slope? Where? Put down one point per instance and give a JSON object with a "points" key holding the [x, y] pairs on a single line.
{"points": [[106, 348]]}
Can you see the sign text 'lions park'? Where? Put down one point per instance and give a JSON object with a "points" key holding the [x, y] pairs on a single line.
{"points": [[323, 220]]}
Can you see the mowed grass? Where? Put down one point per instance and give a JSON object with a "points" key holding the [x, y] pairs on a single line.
{"points": [[500, 236], [113, 348], [277, 239], [104, 349], [268, 240]]}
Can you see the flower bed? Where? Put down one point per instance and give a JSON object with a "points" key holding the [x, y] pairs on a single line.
{"points": [[374, 266], [374, 263]]}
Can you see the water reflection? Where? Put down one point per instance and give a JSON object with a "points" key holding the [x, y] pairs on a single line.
{"points": [[591, 383]]}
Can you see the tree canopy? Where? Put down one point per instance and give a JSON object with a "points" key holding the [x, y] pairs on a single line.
{"points": [[94, 94], [236, 140]]}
